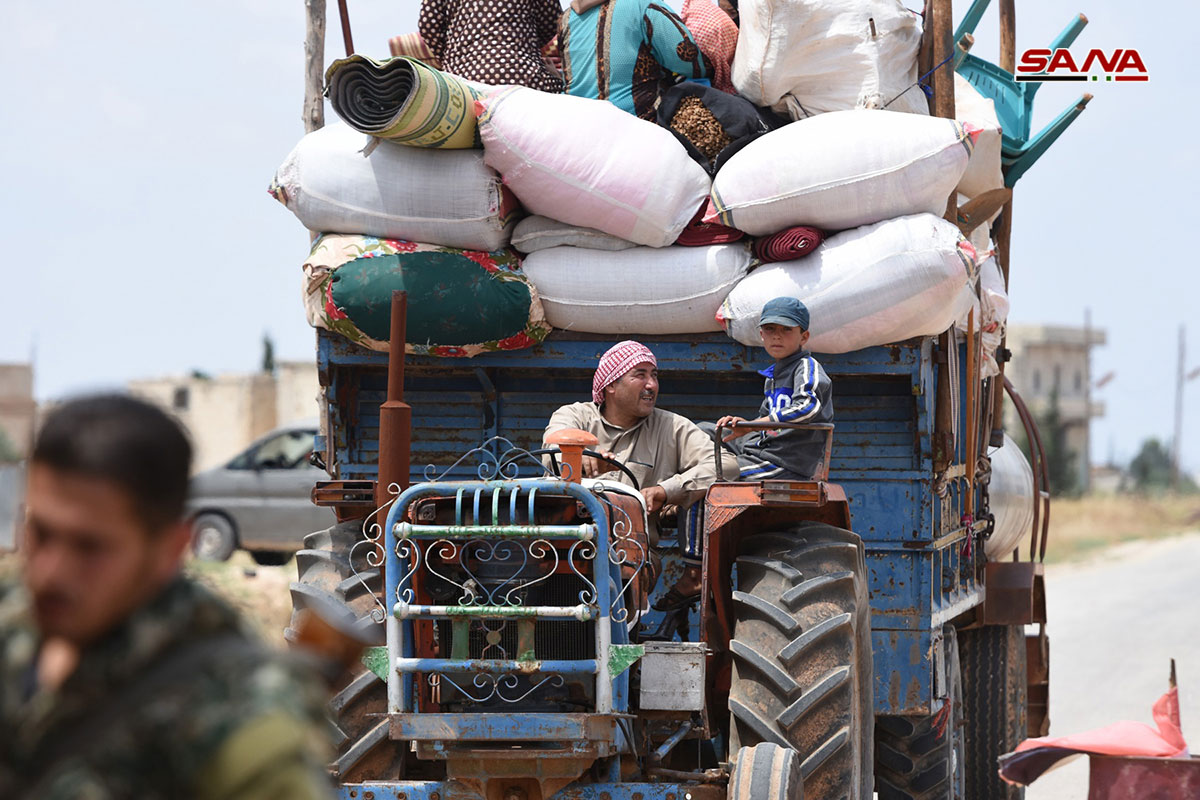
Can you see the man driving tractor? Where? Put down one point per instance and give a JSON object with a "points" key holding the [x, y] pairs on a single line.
{"points": [[672, 457]]}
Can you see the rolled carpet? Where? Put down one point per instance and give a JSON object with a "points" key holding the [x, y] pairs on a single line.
{"points": [[404, 101], [788, 244]]}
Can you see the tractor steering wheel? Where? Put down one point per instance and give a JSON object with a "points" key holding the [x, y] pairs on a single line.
{"points": [[554, 451]]}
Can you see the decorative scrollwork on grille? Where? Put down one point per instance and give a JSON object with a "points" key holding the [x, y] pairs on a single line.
{"points": [[490, 572], [627, 552], [583, 551], [409, 553], [499, 687], [497, 459], [370, 549], [447, 552]]}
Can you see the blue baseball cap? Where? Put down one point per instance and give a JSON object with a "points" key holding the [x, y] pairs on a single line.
{"points": [[784, 311]]}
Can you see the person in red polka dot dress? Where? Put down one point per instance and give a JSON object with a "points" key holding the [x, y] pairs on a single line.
{"points": [[496, 42]]}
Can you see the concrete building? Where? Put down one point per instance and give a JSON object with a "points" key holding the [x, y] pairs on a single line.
{"points": [[225, 413], [1056, 358], [18, 411], [18, 415]]}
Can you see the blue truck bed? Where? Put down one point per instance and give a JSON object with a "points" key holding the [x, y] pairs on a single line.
{"points": [[922, 568]]}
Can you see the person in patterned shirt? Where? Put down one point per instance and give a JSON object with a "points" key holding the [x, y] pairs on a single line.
{"points": [[497, 42], [624, 51], [119, 678]]}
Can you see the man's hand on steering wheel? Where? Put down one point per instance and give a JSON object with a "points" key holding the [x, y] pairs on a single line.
{"points": [[595, 467], [656, 497]]}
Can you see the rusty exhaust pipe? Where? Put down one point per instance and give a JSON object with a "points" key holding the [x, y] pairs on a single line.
{"points": [[395, 415]]}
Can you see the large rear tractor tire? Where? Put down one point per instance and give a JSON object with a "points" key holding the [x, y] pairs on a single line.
{"points": [[358, 709], [766, 771], [994, 698], [923, 758], [802, 670]]}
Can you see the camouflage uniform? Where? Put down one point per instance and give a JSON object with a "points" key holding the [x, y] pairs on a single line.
{"points": [[230, 721]]}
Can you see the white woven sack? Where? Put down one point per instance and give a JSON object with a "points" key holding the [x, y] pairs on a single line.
{"points": [[587, 162], [875, 285], [983, 170], [540, 233], [806, 57], [842, 170], [338, 180], [640, 291]]}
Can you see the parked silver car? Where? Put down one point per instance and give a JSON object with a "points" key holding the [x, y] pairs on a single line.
{"points": [[261, 500]]}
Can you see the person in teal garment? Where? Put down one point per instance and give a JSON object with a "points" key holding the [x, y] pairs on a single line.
{"points": [[623, 51]]}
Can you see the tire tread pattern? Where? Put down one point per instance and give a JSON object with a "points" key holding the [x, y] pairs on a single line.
{"points": [[994, 697], [326, 579], [802, 666]]}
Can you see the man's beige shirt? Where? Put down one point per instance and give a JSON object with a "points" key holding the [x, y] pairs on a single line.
{"points": [[664, 449]]}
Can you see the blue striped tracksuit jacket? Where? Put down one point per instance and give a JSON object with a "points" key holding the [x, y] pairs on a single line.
{"points": [[797, 390]]}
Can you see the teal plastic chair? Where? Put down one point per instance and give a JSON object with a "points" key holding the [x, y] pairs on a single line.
{"points": [[1014, 100]]}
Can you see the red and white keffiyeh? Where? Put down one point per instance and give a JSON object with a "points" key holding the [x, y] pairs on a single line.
{"points": [[620, 358]]}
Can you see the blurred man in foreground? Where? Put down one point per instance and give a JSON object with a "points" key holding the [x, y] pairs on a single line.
{"points": [[120, 678]]}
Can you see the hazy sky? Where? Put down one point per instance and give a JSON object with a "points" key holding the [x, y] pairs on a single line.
{"points": [[139, 139]]}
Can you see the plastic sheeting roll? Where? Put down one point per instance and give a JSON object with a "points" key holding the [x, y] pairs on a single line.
{"points": [[1011, 497]]}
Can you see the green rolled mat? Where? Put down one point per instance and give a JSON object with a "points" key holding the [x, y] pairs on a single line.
{"points": [[460, 302], [405, 101]]}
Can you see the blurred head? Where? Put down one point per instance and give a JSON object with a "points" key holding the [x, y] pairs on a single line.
{"points": [[104, 529], [730, 7]]}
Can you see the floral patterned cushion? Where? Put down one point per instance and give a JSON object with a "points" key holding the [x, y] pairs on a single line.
{"points": [[460, 302]]}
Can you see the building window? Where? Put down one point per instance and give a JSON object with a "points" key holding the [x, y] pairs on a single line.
{"points": [[1078, 382], [179, 400], [1037, 381], [1057, 377]]}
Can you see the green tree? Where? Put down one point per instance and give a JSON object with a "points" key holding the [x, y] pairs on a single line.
{"points": [[1061, 461], [1060, 458], [268, 354], [1150, 469]]}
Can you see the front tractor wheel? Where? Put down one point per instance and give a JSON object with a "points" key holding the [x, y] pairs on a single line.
{"points": [[766, 771], [358, 709], [802, 669]]}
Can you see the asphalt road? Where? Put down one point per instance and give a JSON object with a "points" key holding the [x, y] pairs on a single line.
{"points": [[1115, 622]]}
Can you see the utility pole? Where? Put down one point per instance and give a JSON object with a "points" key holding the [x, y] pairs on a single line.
{"points": [[1177, 443], [1086, 482], [314, 65]]}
